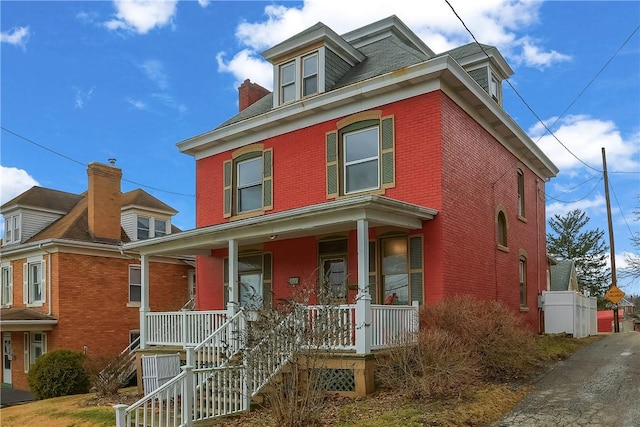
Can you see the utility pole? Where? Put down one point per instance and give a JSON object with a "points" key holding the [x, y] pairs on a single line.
{"points": [[614, 282]]}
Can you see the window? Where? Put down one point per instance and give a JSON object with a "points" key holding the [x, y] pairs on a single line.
{"points": [[254, 280], [523, 281], [6, 278], [299, 78], [310, 74], [143, 227], [248, 181], [135, 283], [12, 232], [35, 345], [34, 281], [401, 278], [288, 82], [494, 88], [159, 228], [364, 158], [361, 160], [333, 269], [502, 229], [521, 193]]}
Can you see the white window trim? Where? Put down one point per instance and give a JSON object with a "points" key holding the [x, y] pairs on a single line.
{"points": [[152, 226], [27, 285], [277, 99], [29, 346], [131, 303], [12, 223], [345, 164], [257, 183], [8, 283]]}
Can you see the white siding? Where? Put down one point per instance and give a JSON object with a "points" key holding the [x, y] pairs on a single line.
{"points": [[34, 222], [128, 220]]}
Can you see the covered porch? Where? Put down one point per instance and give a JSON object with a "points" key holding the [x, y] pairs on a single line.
{"points": [[367, 326]]}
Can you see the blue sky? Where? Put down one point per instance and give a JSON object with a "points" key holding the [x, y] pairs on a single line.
{"points": [[86, 81]]}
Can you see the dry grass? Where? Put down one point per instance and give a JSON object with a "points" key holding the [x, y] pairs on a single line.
{"points": [[480, 407]]}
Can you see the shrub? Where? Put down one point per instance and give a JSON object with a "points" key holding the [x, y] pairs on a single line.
{"points": [[439, 365], [500, 342], [58, 373]]}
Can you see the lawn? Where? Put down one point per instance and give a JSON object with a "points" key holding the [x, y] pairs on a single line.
{"points": [[484, 405]]}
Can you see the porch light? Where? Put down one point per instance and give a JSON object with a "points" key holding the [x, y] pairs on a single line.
{"points": [[273, 237]]}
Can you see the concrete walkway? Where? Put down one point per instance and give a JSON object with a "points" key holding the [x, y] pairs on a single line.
{"points": [[11, 396]]}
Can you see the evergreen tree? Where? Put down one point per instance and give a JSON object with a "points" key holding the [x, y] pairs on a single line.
{"points": [[586, 247], [633, 258]]}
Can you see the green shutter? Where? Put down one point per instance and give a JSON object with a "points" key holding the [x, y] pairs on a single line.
{"points": [[387, 161], [228, 172], [332, 164], [267, 289], [415, 269], [267, 179]]}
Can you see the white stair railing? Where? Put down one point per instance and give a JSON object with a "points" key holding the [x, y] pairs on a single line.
{"points": [[123, 366]]}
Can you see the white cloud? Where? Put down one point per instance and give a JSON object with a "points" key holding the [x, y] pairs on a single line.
{"points": [[16, 36], [204, 3], [137, 104], [141, 16], [82, 97], [596, 204], [493, 22], [245, 64], [585, 136], [14, 181]]}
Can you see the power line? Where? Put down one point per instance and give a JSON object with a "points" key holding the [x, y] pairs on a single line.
{"points": [[520, 96], [85, 165], [580, 199]]}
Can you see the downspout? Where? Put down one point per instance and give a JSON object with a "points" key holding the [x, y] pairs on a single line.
{"points": [[49, 293], [538, 254], [142, 322]]}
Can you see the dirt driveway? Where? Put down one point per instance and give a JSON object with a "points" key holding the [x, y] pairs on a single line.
{"points": [[598, 386]]}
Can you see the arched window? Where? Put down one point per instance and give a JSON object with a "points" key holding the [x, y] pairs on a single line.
{"points": [[502, 229]]}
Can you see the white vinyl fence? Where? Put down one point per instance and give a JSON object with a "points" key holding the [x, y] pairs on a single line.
{"points": [[569, 312]]}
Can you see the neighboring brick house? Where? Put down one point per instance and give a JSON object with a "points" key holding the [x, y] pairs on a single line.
{"points": [[375, 166], [67, 283]]}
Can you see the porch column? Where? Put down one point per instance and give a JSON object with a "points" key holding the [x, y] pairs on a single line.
{"points": [[144, 299], [232, 305], [363, 299]]}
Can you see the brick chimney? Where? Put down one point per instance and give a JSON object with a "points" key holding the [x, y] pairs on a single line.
{"points": [[104, 201], [248, 93]]}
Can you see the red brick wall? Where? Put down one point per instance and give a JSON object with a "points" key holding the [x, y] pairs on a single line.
{"points": [[445, 161], [89, 297]]}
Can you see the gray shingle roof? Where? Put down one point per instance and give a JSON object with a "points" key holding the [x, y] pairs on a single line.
{"points": [[561, 275]]}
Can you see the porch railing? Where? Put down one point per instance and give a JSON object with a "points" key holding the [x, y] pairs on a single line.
{"points": [[182, 328], [393, 325]]}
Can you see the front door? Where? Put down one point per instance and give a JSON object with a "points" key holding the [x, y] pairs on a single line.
{"points": [[7, 357], [334, 274]]}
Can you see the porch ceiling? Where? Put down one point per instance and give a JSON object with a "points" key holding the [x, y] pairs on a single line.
{"points": [[334, 216]]}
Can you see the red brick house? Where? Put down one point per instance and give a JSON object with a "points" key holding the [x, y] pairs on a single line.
{"points": [[375, 168], [67, 283]]}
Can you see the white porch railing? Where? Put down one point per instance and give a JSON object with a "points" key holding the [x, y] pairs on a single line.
{"points": [[182, 328], [210, 387]]}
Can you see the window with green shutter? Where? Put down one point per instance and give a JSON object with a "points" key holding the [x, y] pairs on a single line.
{"points": [[248, 181], [360, 155]]}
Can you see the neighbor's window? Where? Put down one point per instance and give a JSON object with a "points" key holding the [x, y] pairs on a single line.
{"points": [[6, 277], [135, 283], [34, 282], [143, 227], [35, 345], [12, 233], [523, 281]]}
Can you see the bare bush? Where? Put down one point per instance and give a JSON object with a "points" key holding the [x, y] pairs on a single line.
{"points": [[439, 365], [106, 373], [504, 347]]}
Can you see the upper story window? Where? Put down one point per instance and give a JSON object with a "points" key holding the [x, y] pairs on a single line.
{"points": [[364, 159], [12, 226], [34, 281], [502, 229], [151, 227], [299, 78], [361, 166], [6, 279], [248, 186], [494, 88], [521, 212]]}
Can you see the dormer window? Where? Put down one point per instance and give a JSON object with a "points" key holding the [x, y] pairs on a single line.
{"points": [[12, 232], [494, 89], [299, 78], [151, 227]]}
